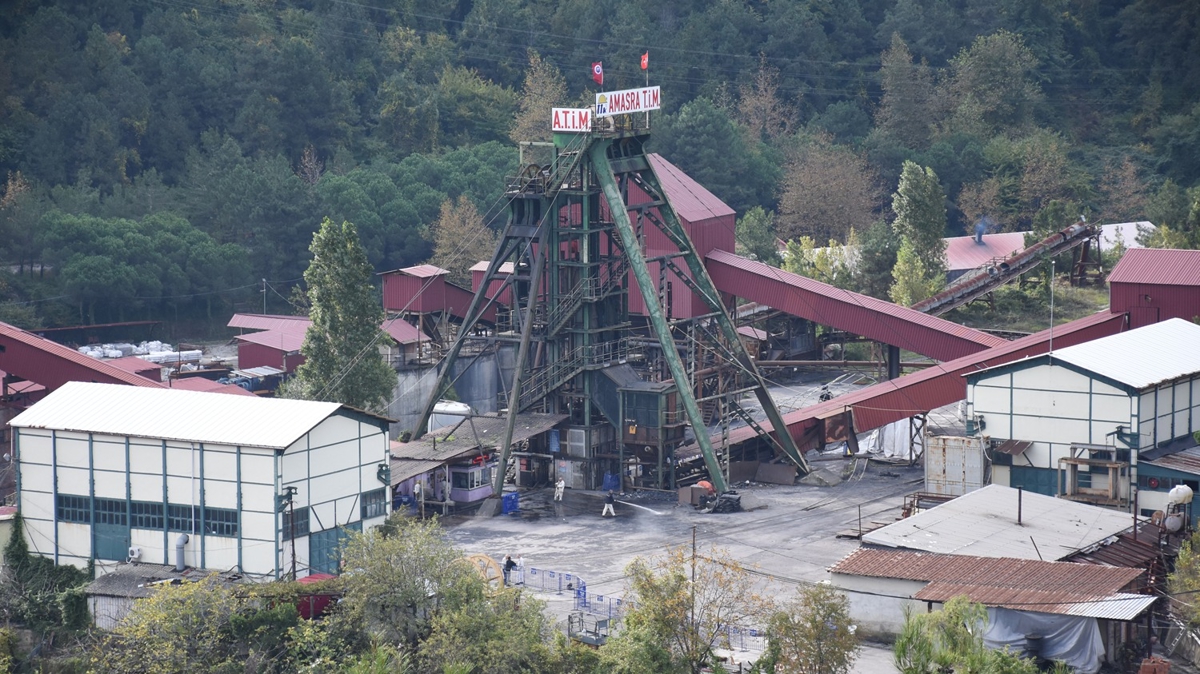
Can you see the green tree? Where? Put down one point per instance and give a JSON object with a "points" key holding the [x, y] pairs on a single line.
{"points": [[683, 606], [36, 593], [993, 80], [544, 89], [756, 236], [906, 111], [1184, 581], [952, 640], [911, 282], [872, 275], [814, 633], [827, 191], [402, 575], [833, 264], [460, 239], [920, 209], [341, 348]]}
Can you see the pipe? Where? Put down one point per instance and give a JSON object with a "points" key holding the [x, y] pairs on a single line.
{"points": [[179, 543]]}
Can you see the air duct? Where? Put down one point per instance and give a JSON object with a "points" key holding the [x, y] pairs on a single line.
{"points": [[179, 543]]}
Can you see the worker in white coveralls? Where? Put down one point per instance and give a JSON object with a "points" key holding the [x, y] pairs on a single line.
{"points": [[559, 488]]}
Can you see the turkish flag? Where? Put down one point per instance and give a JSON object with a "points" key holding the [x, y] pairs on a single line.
{"points": [[598, 72], [645, 60]]}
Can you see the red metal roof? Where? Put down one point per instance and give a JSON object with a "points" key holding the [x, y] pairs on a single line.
{"points": [[403, 332], [1158, 266], [689, 198], [998, 572], [963, 253], [845, 310], [52, 365], [138, 366], [280, 340], [920, 392]]}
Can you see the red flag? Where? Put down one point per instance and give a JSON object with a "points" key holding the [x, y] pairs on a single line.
{"points": [[598, 72], [645, 60]]}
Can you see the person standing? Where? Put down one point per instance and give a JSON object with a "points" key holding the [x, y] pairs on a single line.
{"points": [[508, 567], [559, 488], [608, 506]]}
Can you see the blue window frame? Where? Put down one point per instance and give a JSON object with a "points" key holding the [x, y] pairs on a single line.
{"points": [[111, 511], [374, 504], [69, 508], [325, 548], [182, 518], [300, 517], [221, 522], [146, 515]]}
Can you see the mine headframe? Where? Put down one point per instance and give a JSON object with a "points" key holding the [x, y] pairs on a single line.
{"points": [[567, 252]]}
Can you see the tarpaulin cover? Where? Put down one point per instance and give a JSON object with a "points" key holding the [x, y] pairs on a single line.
{"points": [[893, 441], [1070, 639]]}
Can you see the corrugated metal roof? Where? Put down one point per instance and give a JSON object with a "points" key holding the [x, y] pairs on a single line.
{"points": [[1158, 266], [1014, 447], [135, 365], [269, 322], [403, 469], [1023, 584], [690, 199], [1125, 232], [963, 253], [282, 340], [984, 523], [175, 414], [482, 265], [202, 384], [1187, 461], [845, 310], [1113, 606], [403, 332], [919, 392], [63, 365], [1030, 574], [473, 433], [752, 333], [422, 271], [1143, 357]]}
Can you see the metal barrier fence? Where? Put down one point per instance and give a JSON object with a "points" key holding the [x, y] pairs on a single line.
{"points": [[610, 606]]}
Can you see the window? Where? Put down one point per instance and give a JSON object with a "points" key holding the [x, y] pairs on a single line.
{"points": [[221, 522], [69, 508], [182, 518], [146, 515], [325, 548], [111, 511], [471, 479], [300, 518], [374, 504]]}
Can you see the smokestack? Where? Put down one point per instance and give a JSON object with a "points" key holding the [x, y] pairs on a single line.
{"points": [[179, 543]]}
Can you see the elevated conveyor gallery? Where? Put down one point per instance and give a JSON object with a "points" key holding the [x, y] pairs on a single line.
{"points": [[844, 310], [921, 392]]}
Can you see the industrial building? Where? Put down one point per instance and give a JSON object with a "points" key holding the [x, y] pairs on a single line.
{"points": [[1074, 421], [110, 474]]}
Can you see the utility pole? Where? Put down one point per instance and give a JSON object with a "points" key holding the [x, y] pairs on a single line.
{"points": [[693, 636]]}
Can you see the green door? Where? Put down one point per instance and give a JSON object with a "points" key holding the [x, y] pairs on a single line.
{"points": [[110, 530]]}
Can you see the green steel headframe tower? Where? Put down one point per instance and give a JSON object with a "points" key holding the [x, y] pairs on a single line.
{"points": [[567, 251]]}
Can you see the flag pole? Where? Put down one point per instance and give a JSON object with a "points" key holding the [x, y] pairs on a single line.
{"points": [[647, 69]]}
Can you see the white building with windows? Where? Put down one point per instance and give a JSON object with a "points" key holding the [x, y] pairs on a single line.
{"points": [[121, 473], [1081, 421]]}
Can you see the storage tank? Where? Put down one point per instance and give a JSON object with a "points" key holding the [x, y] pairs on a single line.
{"points": [[447, 413]]}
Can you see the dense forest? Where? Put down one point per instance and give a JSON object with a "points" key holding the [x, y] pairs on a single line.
{"points": [[162, 157]]}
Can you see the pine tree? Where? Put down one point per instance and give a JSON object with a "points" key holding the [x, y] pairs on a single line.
{"points": [[341, 348], [920, 209], [908, 96]]}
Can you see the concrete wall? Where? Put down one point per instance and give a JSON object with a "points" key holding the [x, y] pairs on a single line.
{"points": [[878, 605]]}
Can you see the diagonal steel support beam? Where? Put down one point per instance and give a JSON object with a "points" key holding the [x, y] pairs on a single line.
{"points": [[637, 262], [707, 290]]}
